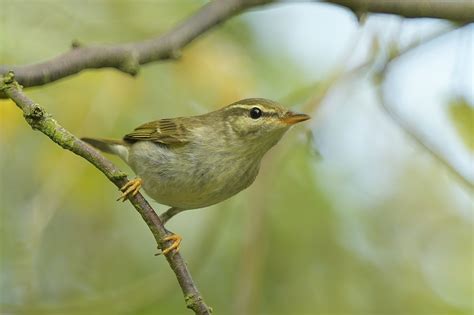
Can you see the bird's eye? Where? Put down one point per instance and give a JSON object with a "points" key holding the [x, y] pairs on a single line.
{"points": [[255, 113]]}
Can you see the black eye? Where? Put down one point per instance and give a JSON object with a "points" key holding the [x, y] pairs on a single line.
{"points": [[255, 113]]}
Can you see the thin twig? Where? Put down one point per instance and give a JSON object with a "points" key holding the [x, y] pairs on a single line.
{"points": [[393, 54], [411, 131], [414, 134], [128, 57], [40, 120], [455, 10]]}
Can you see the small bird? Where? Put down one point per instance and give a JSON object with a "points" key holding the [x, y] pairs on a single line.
{"points": [[194, 162]]}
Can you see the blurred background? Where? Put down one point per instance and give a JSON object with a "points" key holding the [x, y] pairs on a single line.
{"points": [[365, 209]]}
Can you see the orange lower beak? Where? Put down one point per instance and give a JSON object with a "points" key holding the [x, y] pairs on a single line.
{"points": [[292, 118]]}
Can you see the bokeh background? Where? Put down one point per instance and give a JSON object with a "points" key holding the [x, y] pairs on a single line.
{"points": [[349, 215]]}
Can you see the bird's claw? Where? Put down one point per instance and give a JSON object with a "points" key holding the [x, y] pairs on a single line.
{"points": [[130, 188], [174, 246]]}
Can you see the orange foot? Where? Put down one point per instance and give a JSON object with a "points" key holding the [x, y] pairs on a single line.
{"points": [[174, 246], [132, 187]]}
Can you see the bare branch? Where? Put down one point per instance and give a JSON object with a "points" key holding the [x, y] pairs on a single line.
{"points": [[394, 52], [454, 10], [129, 56], [40, 120], [412, 132], [415, 136]]}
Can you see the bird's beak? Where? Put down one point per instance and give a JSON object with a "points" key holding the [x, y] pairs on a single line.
{"points": [[292, 118]]}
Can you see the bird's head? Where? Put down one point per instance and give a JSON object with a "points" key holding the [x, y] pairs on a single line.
{"points": [[257, 121], [259, 117]]}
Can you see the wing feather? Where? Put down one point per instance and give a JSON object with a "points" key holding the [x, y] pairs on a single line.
{"points": [[165, 131]]}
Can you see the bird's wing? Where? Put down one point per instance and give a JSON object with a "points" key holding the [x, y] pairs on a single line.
{"points": [[165, 131]]}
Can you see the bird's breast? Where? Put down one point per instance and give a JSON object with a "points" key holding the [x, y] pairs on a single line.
{"points": [[191, 176]]}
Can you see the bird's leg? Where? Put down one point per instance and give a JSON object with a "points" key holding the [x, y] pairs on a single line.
{"points": [[168, 214], [131, 187], [164, 217]]}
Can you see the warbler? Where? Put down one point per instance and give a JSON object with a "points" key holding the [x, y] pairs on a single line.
{"points": [[197, 161]]}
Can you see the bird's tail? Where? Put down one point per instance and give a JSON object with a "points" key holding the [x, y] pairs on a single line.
{"points": [[117, 147]]}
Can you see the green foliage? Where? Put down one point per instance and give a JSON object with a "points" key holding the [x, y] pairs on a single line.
{"points": [[462, 116]]}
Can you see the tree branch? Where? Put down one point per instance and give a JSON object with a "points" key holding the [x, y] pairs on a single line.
{"points": [[40, 120], [129, 56], [415, 135], [411, 131], [454, 10]]}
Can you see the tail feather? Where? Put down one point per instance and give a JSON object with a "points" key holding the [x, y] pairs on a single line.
{"points": [[117, 147]]}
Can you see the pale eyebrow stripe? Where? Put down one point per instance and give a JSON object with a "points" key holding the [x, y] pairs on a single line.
{"points": [[246, 107], [265, 111]]}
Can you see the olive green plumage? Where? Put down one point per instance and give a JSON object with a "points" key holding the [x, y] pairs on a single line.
{"points": [[194, 162]]}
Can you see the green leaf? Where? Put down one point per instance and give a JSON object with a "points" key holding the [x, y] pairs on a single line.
{"points": [[462, 115]]}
